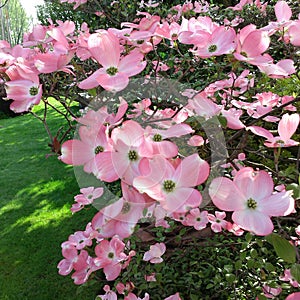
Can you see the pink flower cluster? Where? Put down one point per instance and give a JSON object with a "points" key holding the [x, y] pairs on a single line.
{"points": [[157, 181], [49, 49]]}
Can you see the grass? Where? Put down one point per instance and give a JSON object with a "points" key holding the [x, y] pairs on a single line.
{"points": [[35, 218]]}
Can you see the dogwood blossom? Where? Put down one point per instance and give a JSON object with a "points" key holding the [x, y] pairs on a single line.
{"points": [[250, 196]]}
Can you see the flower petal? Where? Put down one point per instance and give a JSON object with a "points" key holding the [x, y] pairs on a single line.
{"points": [[225, 195], [254, 184], [253, 221]]}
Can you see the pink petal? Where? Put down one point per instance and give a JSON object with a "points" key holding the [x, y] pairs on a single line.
{"points": [[282, 11], [279, 204], [288, 125], [253, 221], [132, 64], [225, 195], [176, 201], [91, 81], [261, 132], [165, 148], [196, 141], [76, 153], [293, 296], [104, 167], [105, 47], [112, 271], [192, 171], [176, 130], [254, 184], [114, 83], [149, 186], [256, 43]]}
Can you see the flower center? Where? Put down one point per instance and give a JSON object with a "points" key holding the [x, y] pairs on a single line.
{"points": [[33, 91], [99, 149], [198, 219], [112, 71], [140, 42], [157, 137], [132, 155], [212, 48], [125, 208], [244, 54], [252, 204], [110, 255], [169, 186]]}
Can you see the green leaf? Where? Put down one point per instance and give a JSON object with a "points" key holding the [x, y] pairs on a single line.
{"points": [[262, 297], [253, 253], [282, 247], [248, 237], [230, 278], [223, 121], [295, 272], [92, 92]]}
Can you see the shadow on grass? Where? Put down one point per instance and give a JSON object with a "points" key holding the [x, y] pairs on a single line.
{"points": [[34, 224], [35, 218]]}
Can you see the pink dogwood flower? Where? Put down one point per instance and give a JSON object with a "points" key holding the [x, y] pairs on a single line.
{"points": [[87, 196], [252, 43], [93, 142], [130, 147], [197, 219], [109, 294], [221, 41], [287, 126], [173, 187], [24, 92], [115, 72], [250, 196], [155, 253], [110, 255], [120, 217], [217, 222]]}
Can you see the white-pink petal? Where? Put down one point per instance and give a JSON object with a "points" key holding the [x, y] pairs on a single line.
{"points": [[225, 195], [288, 125], [253, 221]]}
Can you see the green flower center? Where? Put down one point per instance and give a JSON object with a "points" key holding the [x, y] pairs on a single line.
{"points": [[110, 255], [212, 48], [244, 54], [112, 71], [252, 204], [169, 186], [125, 208], [198, 219], [33, 91], [132, 155], [99, 149], [140, 42], [157, 137]]}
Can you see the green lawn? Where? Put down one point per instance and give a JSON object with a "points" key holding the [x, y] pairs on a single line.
{"points": [[35, 218]]}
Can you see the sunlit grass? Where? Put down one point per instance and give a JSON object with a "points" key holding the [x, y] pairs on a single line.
{"points": [[35, 218]]}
